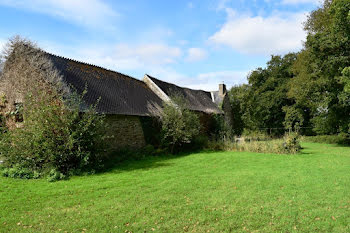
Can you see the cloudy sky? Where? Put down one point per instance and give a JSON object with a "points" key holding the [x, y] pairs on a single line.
{"points": [[197, 43]]}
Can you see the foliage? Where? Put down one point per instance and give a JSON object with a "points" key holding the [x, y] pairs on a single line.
{"points": [[249, 135], [294, 118], [261, 102], [259, 143], [20, 172], [341, 139], [221, 130], [292, 143], [55, 138], [272, 146], [179, 124], [307, 90], [316, 87], [237, 94]]}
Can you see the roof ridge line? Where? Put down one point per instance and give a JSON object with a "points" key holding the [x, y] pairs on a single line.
{"points": [[177, 85], [93, 65]]}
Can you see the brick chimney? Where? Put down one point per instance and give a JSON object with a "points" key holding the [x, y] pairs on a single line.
{"points": [[222, 89]]}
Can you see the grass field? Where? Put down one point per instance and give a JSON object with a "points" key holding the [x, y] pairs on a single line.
{"points": [[203, 192]]}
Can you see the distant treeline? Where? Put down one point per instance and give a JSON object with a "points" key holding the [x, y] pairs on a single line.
{"points": [[307, 91]]}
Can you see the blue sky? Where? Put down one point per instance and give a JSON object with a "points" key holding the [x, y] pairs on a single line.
{"points": [[194, 43]]}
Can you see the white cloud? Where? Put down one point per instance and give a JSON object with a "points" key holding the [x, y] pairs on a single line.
{"points": [[83, 12], [204, 81], [149, 53], [210, 81], [153, 59], [278, 33], [296, 2], [121, 56], [196, 54]]}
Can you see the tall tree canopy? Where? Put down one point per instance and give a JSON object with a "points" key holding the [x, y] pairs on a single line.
{"points": [[263, 99], [310, 88], [317, 86]]}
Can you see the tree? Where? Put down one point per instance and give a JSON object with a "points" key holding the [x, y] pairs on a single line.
{"points": [[263, 99], [344, 96], [237, 96], [179, 124], [316, 87]]}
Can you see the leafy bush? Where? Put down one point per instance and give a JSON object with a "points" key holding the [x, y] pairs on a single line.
{"points": [[291, 143], [341, 139], [222, 131], [221, 145], [255, 136], [20, 172], [288, 145], [179, 124], [55, 138]]}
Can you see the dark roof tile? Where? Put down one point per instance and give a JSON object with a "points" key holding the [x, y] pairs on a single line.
{"points": [[198, 100], [118, 93]]}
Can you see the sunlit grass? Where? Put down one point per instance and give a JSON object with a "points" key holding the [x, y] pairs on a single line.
{"points": [[221, 191]]}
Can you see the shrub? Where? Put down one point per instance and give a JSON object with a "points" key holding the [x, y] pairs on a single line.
{"points": [[20, 172], [255, 136], [221, 145], [291, 143], [342, 139], [272, 146], [288, 145], [179, 125], [222, 131], [55, 136]]}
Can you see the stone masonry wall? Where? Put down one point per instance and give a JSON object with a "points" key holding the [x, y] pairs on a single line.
{"points": [[127, 132]]}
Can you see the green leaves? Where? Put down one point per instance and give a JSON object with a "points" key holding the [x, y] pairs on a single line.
{"points": [[55, 135], [179, 124]]}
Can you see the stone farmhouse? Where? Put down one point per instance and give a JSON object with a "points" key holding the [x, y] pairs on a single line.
{"points": [[131, 106]]}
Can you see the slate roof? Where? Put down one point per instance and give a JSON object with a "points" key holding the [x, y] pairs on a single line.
{"points": [[119, 93], [198, 100], [217, 98]]}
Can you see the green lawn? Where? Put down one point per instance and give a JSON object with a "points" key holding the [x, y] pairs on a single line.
{"points": [[216, 192]]}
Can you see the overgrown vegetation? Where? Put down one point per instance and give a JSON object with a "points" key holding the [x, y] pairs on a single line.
{"points": [[342, 139], [179, 124], [259, 143], [55, 139]]}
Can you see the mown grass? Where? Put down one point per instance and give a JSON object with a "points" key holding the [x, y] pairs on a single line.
{"points": [[216, 192]]}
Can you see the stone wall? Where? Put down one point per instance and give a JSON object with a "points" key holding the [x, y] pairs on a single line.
{"points": [[126, 132]]}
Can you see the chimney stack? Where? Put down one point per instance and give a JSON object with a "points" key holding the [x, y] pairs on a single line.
{"points": [[222, 89]]}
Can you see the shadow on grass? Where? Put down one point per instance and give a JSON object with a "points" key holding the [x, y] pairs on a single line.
{"points": [[302, 152], [118, 165]]}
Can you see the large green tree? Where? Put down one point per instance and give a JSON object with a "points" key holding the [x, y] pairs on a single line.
{"points": [[262, 100], [317, 87]]}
